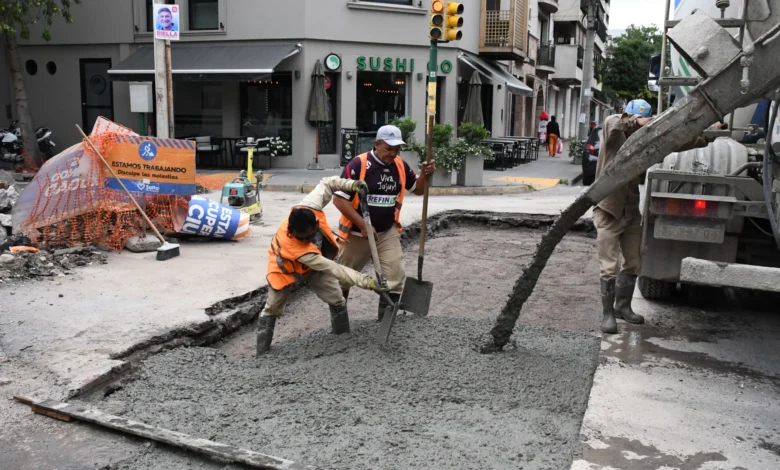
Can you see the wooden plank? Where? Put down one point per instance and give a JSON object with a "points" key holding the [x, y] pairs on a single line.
{"points": [[204, 446]]}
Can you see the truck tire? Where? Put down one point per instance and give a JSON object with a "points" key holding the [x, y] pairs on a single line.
{"points": [[653, 289]]}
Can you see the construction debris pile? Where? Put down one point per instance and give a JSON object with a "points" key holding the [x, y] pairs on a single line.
{"points": [[46, 263], [8, 197]]}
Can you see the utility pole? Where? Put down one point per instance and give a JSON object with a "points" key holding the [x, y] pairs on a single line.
{"points": [[161, 91], [587, 71]]}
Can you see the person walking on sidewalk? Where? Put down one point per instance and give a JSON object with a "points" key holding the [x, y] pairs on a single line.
{"points": [[304, 247], [553, 135], [388, 178], [618, 220]]}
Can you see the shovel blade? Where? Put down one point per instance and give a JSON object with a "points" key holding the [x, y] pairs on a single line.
{"points": [[416, 297], [391, 311]]}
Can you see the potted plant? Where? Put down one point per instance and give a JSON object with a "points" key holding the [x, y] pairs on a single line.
{"points": [[576, 149], [447, 154], [475, 152], [279, 147], [407, 126]]}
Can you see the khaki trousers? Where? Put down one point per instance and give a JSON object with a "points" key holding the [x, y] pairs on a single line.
{"points": [[325, 286], [616, 236], [355, 253]]}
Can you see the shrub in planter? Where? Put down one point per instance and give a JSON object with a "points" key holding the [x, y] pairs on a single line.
{"points": [[279, 147], [576, 147], [473, 135], [407, 126], [447, 155]]}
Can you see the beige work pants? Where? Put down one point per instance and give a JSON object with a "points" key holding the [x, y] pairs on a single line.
{"points": [[616, 236], [325, 286], [355, 253]]}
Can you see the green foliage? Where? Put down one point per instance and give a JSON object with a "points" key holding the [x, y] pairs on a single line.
{"points": [[626, 72], [447, 155], [407, 125], [16, 16], [576, 147], [473, 134]]}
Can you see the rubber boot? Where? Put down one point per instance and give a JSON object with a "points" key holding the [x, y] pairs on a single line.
{"points": [[608, 323], [380, 313], [265, 334], [339, 319], [624, 293], [345, 293]]}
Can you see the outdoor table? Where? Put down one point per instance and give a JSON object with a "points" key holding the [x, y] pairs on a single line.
{"points": [[229, 151]]}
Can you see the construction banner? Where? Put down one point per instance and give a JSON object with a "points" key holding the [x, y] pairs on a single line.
{"points": [[152, 166]]}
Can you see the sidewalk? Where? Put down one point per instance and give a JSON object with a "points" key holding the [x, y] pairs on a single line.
{"points": [[543, 173]]}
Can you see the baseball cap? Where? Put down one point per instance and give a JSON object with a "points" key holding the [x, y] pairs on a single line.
{"points": [[640, 108], [391, 135]]}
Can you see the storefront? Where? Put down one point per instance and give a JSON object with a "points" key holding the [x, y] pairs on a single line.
{"points": [[262, 90]]}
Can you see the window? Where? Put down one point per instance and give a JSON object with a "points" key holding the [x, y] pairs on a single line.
{"points": [[197, 108], [150, 13], [204, 14], [266, 107]]}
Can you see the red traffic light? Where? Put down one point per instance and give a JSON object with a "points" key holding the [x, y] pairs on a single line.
{"points": [[437, 6]]}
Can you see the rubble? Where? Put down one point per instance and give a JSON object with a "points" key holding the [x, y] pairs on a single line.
{"points": [[8, 198], [143, 244], [48, 263], [6, 179], [200, 189]]}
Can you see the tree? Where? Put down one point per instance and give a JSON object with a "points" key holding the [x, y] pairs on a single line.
{"points": [[627, 67], [16, 17]]}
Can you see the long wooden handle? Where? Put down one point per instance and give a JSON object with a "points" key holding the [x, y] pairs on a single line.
{"points": [[424, 221], [141, 211]]}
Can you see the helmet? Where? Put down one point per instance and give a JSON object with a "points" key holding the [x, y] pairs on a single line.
{"points": [[640, 108]]}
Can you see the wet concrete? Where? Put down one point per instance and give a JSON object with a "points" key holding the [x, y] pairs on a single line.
{"points": [[428, 401]]}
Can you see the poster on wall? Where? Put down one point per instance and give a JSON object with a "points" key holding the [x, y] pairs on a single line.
{"points": [[166, 21]]}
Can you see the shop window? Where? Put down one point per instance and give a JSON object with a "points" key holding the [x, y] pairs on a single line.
{"points": [[266, 107], [197, 108], [31, 66], [381, 98], [204, 14], [328, 136], [150, 13]]}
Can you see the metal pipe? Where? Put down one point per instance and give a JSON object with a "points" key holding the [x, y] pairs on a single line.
{"points": [[744, 167], [663, 62]]}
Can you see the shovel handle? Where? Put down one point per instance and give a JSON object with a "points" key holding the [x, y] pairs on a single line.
{"points": [[424, 221], [371, 242]]}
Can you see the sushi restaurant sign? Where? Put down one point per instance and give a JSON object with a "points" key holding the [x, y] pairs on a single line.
{"points": [[389, 64]]}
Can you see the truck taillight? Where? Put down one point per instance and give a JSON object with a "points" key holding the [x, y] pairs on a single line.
{"points": [[685, 207]]}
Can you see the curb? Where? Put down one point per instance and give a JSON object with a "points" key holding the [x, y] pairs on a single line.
{"points": [[576, 179], [455, 191]]}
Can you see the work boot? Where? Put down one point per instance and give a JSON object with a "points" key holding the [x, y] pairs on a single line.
{"points": [[339, 319], [383, 305], [624, 293], [608, 323], [265, 334], [345, 294]]}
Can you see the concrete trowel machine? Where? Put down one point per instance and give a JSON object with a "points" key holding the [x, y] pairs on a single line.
{"points": [[244, 192]]}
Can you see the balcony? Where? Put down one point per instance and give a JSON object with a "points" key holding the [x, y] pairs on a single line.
{"points": [[548, 6], [503, 33], [601, 25], [568, 64], [545, 60]]}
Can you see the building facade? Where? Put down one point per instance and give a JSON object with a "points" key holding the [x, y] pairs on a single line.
{"points": [[243, 68]]}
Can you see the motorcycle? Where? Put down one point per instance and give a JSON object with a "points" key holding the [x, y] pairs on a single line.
{"points": [[42, 135]]}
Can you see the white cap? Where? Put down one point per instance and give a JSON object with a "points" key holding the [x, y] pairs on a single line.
{"points": [[390, 135]]}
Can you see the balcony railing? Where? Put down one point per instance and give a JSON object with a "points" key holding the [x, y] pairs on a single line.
{"points": [[503, 32], [546, 55], [580, 55]]}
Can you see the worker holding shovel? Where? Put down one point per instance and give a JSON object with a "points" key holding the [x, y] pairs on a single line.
{"points": [[388, 178], [303, 248]]}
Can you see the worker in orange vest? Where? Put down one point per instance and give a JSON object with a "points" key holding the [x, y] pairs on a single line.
{"points": [[303, 248], [388, 178]]}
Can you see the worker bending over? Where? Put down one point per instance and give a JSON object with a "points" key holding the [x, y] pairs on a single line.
{"points": [[388, 178], [618, 220], [303, 248]]}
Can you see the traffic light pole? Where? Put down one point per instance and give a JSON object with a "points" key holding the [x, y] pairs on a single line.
{"points": [[587, 73], [431, 117]]}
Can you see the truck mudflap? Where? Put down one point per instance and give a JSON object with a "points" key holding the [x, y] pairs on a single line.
{"points": [[710, 273]]}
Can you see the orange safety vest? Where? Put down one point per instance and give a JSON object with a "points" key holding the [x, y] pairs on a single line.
{"points": [[284, 268], [345, 225]]}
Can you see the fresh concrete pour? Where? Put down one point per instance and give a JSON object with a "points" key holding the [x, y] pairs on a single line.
{"points": [[429, 400]]}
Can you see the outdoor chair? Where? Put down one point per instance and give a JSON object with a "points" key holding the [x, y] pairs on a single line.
{"points": [[207, 147]]}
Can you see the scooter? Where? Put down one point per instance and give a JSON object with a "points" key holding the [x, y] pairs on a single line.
{"points": [[42, 135], [10, 147]]}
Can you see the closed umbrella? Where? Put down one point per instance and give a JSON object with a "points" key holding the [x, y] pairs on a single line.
{"points": [[473, 113], [319, 111]]}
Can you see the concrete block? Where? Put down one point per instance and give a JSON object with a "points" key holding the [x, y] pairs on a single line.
{"points": [[472, 171], [143, 244], [441, 178], [5, 220], [699, 271], [8, 197]]}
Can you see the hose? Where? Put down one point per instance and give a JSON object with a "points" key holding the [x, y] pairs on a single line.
{"points": [[769, 156]]}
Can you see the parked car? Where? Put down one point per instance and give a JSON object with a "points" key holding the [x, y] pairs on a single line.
{"points": [[590, 157]]}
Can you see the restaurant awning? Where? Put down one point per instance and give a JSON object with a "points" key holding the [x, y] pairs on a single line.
{"points": [[208, 61], [496, 74]]}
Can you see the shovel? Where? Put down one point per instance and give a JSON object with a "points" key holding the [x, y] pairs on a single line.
{"points": [[392, 308], [416, 297]]}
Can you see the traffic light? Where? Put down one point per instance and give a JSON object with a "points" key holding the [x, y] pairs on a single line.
{"points": [[453, 22], [437, 20]]}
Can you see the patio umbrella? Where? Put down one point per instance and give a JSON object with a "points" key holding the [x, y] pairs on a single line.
{"points": [[319, 111], [473, 113]]}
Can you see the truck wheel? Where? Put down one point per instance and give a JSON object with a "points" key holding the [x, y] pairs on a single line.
{"points": [[653, 289]]}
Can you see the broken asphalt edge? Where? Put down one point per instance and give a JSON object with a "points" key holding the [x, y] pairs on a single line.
{"points": [[231, 314]]}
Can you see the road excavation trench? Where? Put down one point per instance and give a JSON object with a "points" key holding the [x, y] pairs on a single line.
{"points": [[429, 400]]}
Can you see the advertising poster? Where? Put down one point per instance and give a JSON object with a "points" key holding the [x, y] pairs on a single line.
{"points": [[166, 21], [208, 218], [152, 166]]}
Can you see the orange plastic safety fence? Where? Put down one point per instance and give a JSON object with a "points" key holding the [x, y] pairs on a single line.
{"points": [[95, 214]]}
